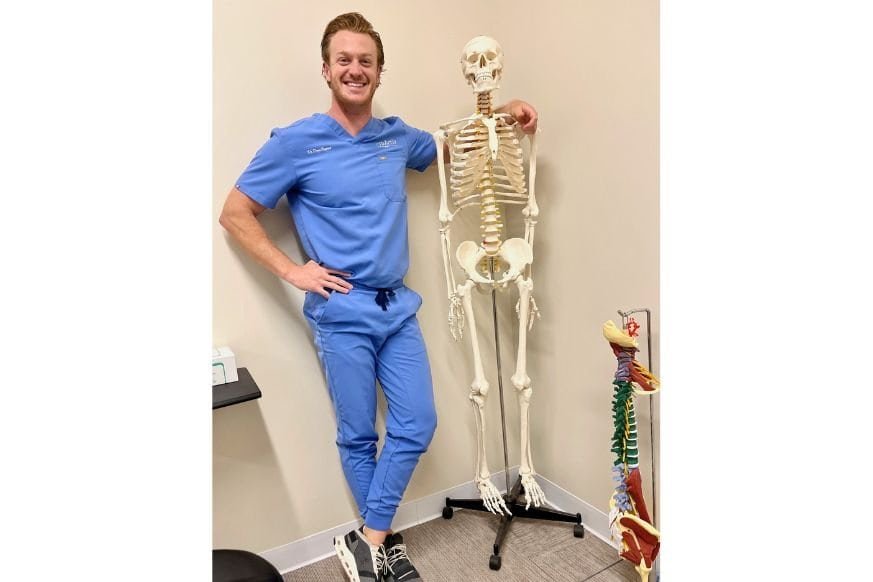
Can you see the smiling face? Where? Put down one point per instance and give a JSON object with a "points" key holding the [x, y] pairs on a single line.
{"points": [[352, 71]]}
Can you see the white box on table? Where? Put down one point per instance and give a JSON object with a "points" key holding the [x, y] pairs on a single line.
{"points": [[223, 366]]}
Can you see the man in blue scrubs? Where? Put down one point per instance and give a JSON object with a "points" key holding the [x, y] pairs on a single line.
{"points": [[344, 173]]}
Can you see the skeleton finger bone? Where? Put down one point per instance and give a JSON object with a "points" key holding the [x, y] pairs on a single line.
{"points": [[456, 317]]}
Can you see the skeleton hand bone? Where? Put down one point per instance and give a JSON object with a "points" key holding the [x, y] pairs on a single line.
{"points": [[532, 491], [534, 312], [456, 317], [492, 498]]}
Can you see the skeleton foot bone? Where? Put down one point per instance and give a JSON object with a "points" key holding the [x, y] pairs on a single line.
{"points": [[532, 491], [492, 498]]}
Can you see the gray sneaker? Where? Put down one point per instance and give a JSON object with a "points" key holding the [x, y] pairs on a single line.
{"points": [[398, 568], [361, 561]]}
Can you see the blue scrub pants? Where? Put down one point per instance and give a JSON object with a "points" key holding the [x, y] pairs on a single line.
{"points": [[358, 342]]}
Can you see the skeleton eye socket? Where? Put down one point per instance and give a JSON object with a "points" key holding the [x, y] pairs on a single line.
{"points": [[473, 58], [490, 55]]}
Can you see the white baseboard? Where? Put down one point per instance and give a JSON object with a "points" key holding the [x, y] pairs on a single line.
{"points": [[318, 546], [595, 521]]}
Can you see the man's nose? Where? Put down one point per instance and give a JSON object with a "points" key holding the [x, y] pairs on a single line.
{"points": [[355, 68]]}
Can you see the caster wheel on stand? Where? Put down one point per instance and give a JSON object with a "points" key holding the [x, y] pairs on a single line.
{"points": [[578, 531], [448, 512], [494, 562]]}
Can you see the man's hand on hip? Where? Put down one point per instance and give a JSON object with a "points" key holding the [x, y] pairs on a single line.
{"points": [[313, 277]]}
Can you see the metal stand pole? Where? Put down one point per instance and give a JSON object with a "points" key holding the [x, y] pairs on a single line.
{"points": [[499, 375]]}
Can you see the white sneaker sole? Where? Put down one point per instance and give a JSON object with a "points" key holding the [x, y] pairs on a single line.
{"points": [[346, 559]]}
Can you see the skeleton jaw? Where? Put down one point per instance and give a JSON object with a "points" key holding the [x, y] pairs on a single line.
{"points": [[483, 82]]}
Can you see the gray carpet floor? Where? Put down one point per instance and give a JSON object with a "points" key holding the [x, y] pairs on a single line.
{"points": [[458, 549]]}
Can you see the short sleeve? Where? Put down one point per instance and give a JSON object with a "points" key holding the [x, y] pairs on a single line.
{"points": [[270, 174], [422, 149]]}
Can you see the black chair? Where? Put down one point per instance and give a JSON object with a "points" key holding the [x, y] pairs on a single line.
{"points": [[242, 566]]}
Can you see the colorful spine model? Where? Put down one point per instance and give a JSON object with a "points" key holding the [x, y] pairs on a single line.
{"points": [[631, 526]]}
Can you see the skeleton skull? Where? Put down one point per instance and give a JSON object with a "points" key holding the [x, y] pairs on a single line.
{"points": [[482, 63]]}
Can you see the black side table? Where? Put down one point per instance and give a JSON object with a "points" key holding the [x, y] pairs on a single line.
{"points": [[242, 390]]}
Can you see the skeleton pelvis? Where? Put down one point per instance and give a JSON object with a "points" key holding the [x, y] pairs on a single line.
{"points": [[515, 253]]}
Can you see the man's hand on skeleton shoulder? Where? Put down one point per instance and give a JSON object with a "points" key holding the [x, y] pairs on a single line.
{"points": [[523, 113]]}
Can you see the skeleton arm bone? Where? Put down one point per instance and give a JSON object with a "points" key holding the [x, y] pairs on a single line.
{"points": [[441, 141], [456, 313], [531, 211]]}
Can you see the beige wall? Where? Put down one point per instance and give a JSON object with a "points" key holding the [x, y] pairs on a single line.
{"points": [[591, 69]]}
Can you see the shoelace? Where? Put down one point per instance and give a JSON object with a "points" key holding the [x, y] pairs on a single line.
{"points": [[395, 554], [379, 558]]}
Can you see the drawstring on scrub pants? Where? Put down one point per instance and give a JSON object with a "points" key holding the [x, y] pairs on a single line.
{"points": [[383, 297]]}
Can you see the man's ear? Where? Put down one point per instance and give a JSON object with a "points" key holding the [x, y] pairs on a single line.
{"points": [[324, 70]]}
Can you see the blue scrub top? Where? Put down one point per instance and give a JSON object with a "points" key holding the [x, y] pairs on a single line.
{"points": [[347, 194]]}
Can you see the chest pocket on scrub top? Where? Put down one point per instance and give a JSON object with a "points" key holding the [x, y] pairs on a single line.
{"points": [[392, 172]]}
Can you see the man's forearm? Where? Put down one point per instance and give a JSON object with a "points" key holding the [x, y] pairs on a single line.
{"points": [[248, 232]]}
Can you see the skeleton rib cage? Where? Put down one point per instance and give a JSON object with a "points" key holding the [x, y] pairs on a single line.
{"points": [[479, 178]]}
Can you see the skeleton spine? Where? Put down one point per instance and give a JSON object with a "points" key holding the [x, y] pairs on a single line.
{"points": [[490, 213], [624, 438]]}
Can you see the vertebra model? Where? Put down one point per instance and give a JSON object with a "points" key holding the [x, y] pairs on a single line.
{"points": [[632, 528], [486, 171]]}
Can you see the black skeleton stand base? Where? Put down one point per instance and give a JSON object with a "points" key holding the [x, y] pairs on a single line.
{"points": [[514, 498], [515, 502]]}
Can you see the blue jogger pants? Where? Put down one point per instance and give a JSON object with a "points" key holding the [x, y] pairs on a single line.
{"points": [[363, 336]]}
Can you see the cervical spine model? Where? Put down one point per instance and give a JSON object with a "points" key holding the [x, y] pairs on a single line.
{"points": [[631, 526], [486, 170]]}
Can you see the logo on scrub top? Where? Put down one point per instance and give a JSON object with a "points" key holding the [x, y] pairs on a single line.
{"points": [[387, 143], [318, 150]]}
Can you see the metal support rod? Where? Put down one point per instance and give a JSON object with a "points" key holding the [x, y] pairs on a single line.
{"points": [[499, 375], [624, 315]]}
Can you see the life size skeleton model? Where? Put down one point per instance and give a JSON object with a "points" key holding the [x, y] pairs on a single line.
{"points": [[486, 170], [629, 519]]}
